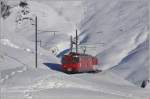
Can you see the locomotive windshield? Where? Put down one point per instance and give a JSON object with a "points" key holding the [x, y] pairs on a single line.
{"points": [[70, 59], [76, 59]]}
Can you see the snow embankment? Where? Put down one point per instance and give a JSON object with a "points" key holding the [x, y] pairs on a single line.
{"points": [[19, 26], [122, 26], [135, 66]]}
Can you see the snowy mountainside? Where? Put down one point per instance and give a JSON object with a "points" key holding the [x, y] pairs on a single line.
{"points": [[135, 67], [122, 26], [22, 26], [19, 78]]}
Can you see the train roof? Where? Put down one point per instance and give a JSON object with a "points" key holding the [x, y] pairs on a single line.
{"points": [[78, 54]]}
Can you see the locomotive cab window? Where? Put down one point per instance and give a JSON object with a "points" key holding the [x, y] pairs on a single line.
{"points": [[65, 60], [76, 59]]}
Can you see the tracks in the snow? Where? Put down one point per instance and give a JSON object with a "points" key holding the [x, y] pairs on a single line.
{"points": [[57, 82], [9, 73], [6, 74]]}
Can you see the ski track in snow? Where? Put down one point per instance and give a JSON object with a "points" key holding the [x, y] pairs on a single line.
{"points": [[20, 69], [11, 74], [62, 83], [59, 83]]}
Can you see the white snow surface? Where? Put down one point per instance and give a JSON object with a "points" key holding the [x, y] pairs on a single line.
{"points": [[122, 25]]}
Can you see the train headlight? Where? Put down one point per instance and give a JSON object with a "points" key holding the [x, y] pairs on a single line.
{"points": [[69, 69]]}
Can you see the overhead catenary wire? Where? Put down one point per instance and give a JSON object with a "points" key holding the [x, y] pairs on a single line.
{"points": [[47, 32]]}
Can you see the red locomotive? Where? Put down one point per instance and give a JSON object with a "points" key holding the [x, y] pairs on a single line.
{"points": [[76, 62]]}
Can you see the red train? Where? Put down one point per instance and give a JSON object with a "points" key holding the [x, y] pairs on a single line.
{"points": [[73, 63], [76, 62]]}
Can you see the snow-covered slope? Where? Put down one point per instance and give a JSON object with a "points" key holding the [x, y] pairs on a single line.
{"points": [[122, 25], [20, 25], [135, 67]]}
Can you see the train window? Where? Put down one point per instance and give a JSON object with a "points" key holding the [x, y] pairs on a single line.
{"points": [[63, 61], [75, 59]]}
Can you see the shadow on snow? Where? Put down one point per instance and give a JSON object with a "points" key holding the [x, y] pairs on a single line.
{"points": [[54, 66]]}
